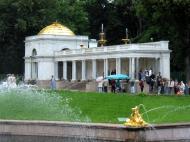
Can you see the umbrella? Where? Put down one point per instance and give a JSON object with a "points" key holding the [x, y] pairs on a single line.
{"points": [[118, 77], [99, 79]]}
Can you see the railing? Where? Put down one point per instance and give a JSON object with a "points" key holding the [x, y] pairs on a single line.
{"points": [[122, 48]]}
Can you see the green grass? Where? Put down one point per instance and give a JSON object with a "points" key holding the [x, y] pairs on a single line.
{"points": [[108, 107], [93, 107]]}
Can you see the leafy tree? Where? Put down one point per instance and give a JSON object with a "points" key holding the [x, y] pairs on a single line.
{"points": [[21, 18], [167, 20], [116, 17], [145, 19], [73, 15]]}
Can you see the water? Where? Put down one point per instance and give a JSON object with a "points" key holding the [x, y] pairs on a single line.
{"points": [[28, 102], [9, 83]]}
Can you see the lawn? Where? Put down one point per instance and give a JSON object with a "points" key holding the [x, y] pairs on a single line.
{"points": [[102, 107], [91, 107]]}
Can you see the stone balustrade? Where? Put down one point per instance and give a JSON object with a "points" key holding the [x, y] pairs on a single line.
{"points": [[155, 46]]}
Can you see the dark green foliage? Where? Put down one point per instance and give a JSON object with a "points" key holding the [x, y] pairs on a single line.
{"points": [[21, 18], [167, 20], [145, 20]]}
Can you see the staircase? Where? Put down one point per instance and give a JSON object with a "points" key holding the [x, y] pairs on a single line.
{"points": [[75, 85]]}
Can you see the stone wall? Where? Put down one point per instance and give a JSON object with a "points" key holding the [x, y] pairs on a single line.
{"points": [[40, 131]]}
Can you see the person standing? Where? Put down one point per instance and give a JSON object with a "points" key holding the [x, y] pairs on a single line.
{"points": [[171, 86], [150, 72], [158, 81], [105, 85], [175, 86], [100, 86], [140, 75], [141, 84], [151, 85], [113, 86], [132, 86], [186, 92], [182, 87], [118, 86], [162, 91], [52, 83]]}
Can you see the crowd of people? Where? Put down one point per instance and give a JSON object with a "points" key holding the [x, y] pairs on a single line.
{"points": [[114, 85], [156, 84]]}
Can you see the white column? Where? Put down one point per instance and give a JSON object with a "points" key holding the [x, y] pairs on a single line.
{"points": [[165, 66], [94, 69], [73, 70], [156, 66], [137, 67], [105, 67], [56, 70], [31, 68], [161, 66], [27, 70], [35, 70], [83, 70], [118, 65], [130, 67], [133, 68], [65, 70]]}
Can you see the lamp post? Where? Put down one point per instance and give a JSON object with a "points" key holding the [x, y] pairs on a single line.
{"points": [[102, 40], [102, 37]]}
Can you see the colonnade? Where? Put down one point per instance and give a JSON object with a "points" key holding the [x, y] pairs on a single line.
{"points": [[132, 65]]}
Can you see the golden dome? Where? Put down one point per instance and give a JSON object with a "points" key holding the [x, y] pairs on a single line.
{"points": [[56, 29]]}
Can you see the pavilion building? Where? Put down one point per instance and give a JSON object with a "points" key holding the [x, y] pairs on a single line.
{"points": [[57, 51]]}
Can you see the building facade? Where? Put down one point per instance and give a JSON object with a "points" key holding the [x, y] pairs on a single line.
{"points": [[57, 51]]}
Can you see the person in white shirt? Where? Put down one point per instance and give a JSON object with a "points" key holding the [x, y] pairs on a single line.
{"points": [[150, 72], [100, 86], [182, 87], [171, 86]]}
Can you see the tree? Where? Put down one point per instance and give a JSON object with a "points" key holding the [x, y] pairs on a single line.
{"points": [[21, 18], [72, 13], [167, 20], [115, 15]]}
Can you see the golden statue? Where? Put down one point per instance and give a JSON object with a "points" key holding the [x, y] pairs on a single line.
{"points": [[135, 120]]}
